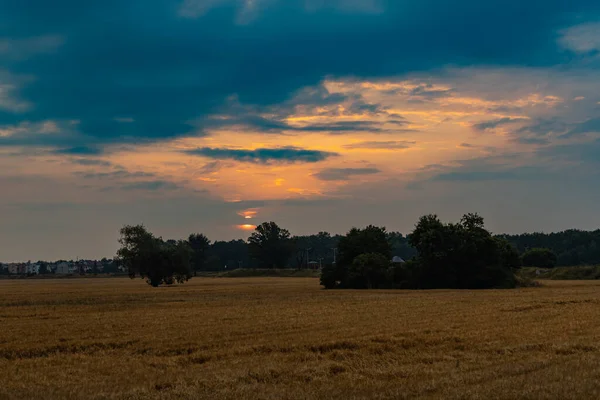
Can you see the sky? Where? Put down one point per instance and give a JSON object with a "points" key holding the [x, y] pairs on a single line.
{"points": [[216, 115]]}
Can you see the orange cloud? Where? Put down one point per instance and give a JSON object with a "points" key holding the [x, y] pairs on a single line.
{"points": [[249, 213], [246, 227]]}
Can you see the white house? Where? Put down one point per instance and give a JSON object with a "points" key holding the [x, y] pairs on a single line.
{"points": [[398, 260], [33, 268]]}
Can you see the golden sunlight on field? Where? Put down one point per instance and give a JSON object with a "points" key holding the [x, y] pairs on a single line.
{"points": [[285, 338]]}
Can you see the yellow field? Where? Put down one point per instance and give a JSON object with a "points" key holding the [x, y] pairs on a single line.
{"points": [[285, 338]]}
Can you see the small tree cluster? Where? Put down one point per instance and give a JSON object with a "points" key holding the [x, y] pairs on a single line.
{"points": [[359, 264], [460, 255], [539, 258], [152, 258]]}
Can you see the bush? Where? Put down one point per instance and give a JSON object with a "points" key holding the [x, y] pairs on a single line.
{"points": [[539, 258]]}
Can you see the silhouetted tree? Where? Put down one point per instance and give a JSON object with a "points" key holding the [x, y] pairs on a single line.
{"points": [[270, 245], [371, 240], [43, 268], [200, 246], [463, 255], [153, 259], [369, 271]]}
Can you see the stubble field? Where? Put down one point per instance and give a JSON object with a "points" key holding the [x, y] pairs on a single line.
{"points": [[285, 338]]}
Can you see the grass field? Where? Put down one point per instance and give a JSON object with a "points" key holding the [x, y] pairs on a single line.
{"points": [[285, 338]]}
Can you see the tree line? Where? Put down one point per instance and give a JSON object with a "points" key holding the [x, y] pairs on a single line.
{"points": [[437, 254]]}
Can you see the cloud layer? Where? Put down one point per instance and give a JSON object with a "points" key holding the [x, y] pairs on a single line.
{"points": [[306, 111]]}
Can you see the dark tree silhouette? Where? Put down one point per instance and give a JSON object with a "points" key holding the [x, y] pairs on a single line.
{"points": [[200, 246], [153, 259], [270, 245]]}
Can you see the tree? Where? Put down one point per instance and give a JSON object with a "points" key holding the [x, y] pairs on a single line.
{"points": [[43, 267], [540, 258], [153, 259], [463, 255], [509, 254], [369, 271], [200, 246], [270, 245], [95, 268], [232, 254], [343, 274]]}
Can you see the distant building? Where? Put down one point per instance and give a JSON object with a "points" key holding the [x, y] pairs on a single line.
{"points": [[33, 269], [398, 260], [13, 268]]}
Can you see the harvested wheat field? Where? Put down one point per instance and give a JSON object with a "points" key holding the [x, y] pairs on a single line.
{"points": [[285, 338]]}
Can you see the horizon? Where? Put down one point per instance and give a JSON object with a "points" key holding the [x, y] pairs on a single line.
{"points": [[212, 241], [204, 116]]}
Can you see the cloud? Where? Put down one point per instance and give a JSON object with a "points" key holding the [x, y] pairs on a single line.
{"points": [[248, 10], [589, 126], [544, 127], [270, 125], [159, 74], [151, 186], [79, 150], [91, 162], [584, 38], [587, 153], [344, 174], [476, 176], [116, 175], [382, 145], [264, 155], [10, 85], [23, 48], [494, 123], [211, 167], [429, 91]]}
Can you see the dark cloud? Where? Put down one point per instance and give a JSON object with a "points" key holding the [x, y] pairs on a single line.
{"points": [[277, 126], [115, 175], [476, 176], [164, 70], [91, 162], [151, 186], [494, 123], [589, 126], [79, 150], [587, 153], [543, 127], [344, 174], [264, 155], [428, 91], [532, 140], [385, 145]]}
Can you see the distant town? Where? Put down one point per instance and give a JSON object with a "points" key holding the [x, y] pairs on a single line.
{"points": [[62, 267]]}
